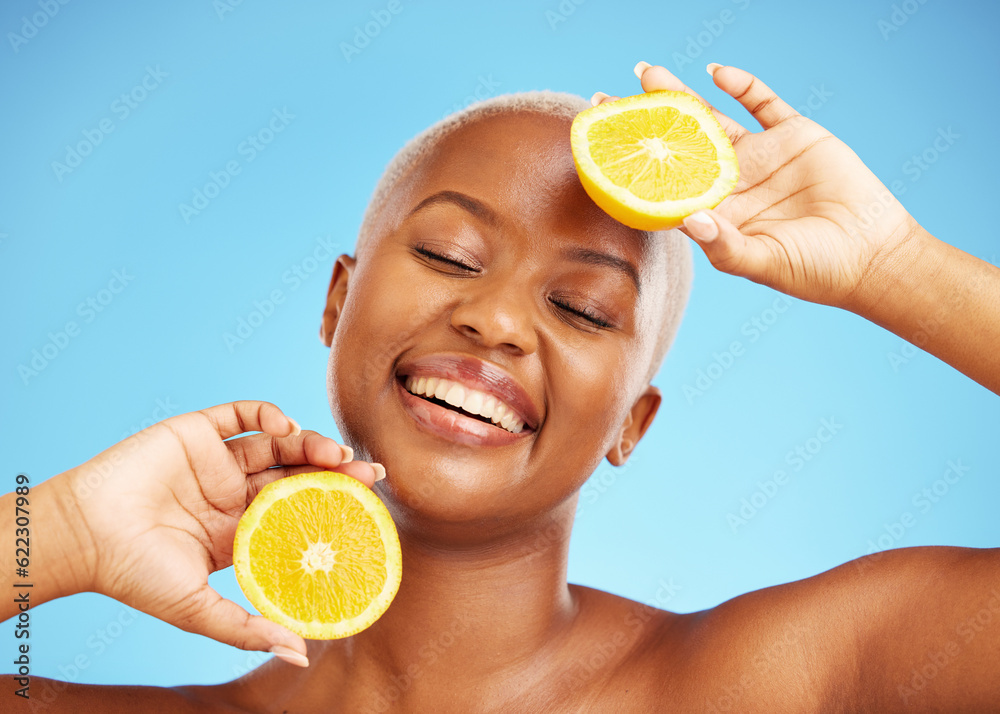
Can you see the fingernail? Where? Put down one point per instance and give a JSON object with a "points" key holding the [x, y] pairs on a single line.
{"points": [[379, 471], [640, 68], [289, 655], [712, 66], [296, 430], [702, 226], [348, 453], [596, 99]]}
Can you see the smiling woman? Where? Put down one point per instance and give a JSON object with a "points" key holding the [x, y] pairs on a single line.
{"points": [[492, 341], [487, 268]]}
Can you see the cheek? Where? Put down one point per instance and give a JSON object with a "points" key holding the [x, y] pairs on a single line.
{"points": [[379, 321], [593, 398]]}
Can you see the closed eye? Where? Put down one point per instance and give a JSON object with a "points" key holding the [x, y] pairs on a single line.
{"points": [[582, 313], [586, 314], [438, 258]]}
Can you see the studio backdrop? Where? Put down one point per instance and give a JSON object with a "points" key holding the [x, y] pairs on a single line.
{"points": [[179, 178]]}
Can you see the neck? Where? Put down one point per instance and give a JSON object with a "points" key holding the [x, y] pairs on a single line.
{"points": [[470, 612]]}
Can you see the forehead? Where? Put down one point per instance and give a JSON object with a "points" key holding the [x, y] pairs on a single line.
{"points": [[520, 163], [521, 160]]}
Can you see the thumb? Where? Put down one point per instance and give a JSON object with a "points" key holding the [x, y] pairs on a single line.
{"points": [[225, 621], [726, 248]]}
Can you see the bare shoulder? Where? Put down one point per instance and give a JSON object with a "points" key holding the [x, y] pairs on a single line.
{"points": [[615, 657], [269, 688], [56, 696], [277, 688], [905, 630]]}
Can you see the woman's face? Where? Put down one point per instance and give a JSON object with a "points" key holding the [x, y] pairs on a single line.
{"points": [[491, 268]]}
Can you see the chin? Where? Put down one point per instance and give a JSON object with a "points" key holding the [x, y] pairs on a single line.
{"points": [[460, 495]]}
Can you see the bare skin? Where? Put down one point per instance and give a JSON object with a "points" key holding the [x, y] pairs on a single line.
{"points": [[484, 619]]}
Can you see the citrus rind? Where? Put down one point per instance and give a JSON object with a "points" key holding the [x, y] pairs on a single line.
{"points": [[330, 481], [622, 204]]}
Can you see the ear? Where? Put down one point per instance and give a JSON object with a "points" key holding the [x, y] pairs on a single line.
{"points": [[336, 295], [636, 423]]}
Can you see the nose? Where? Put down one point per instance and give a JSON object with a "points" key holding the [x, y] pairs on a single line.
{"points": [[496, 317]]}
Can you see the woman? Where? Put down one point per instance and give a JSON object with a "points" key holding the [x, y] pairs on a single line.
{"points": [[484, 262]]}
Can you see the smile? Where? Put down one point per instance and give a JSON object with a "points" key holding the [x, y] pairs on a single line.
{"points": [[466, 400], [469, 400]]}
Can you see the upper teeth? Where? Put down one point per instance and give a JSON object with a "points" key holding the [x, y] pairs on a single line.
{"points": [[467, 399]]}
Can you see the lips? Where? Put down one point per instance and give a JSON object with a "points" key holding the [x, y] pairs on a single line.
{"points": [[478, 404], [464, 398]]}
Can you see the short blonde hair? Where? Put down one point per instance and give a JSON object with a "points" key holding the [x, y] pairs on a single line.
{"points": [[678, 261]]}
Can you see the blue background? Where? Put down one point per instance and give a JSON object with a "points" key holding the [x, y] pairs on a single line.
{"points": [[661, 520]]}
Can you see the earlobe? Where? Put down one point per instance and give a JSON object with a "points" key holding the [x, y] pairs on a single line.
{"points": [[636, 422], [335, 297]]}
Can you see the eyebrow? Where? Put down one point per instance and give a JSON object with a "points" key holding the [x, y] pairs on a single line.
{"points": [[477, 208], [593, 257]]}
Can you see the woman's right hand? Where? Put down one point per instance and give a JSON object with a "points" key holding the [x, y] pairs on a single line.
{"points": [[156, 514]]}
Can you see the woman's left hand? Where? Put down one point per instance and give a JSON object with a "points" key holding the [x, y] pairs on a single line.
{"points": [[807, 217]]}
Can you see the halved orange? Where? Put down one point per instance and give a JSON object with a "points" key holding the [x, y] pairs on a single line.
{"points": [[319, 554], [651, 159]]}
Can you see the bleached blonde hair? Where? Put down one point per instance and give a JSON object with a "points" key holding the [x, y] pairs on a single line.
{"points": [[677, 261]]}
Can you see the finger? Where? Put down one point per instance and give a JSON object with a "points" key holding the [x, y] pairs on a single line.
{"points": [[225, 621], [655, 77], [363, 471], [755, 96], [601, 97], [262, 451], [239, 417], [725, 247]]}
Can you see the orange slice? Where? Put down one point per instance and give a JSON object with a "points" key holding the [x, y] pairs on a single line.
{"points": [[319, 554], [654, 158]]}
